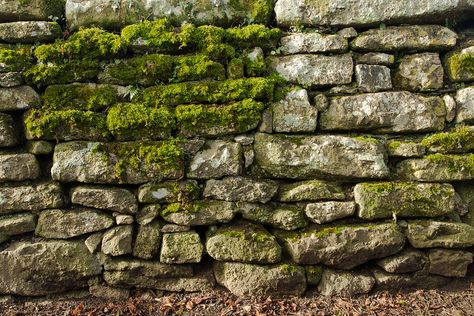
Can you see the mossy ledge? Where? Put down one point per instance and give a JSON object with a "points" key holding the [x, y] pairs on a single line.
{"points": [[457, 141]]}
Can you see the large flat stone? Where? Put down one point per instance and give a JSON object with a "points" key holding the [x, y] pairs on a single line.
{"points": [[106, 198], [307, 157], [14, 10], [313, 42], [181, 247], [281, 216], [18, 98], [18, 167], [240, 189], [17, 224], [431, 234], [345, 283], [199, 213], [311, 190], [29, 32]]}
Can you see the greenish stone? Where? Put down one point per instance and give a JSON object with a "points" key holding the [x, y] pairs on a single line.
{"points": [[314, 274], [184, 247], [148, 240], [430, 234], [18, 98], [148, 213], [420, 72], [449, 263], [8, 132], [30, 32], [325, 212], [311, 190], [459, 140], [199, 213], [460, 65], [417, 280], [39, 147], [406, 261], [18, 167], [282, 216], [405, 149], [17, 224], [117, 241], [343, 283]]}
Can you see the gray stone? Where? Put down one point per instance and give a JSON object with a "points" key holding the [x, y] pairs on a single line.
{"points": [[18, 167], [35, 197], [431, 234], [147, 214], [84, 162], [18, 98], [405, 149], [321, 102], [408, 260], [344, 90], [418, 280], [249, 156], [52, 266], [105, 198], [216, 159], [450, 104], [404, 199], [199, 213], [347, 32], [63, 224], [10, 79], [169, 191], [449, 263], [243, 242], [240, 189], [307, 157], [314, 70], [282, 216], [313, 42], [148, 240], [373, 78], [368, 12], [117, 241], [459, 65], [325, 212], [173, 228], [311, 190], [343, 247], [178, 248], [345, 283], [110, 293], [465, 105], [17, 224], [14, 10], [376, 59], [385, 112], [266, 124], [121, 219], [244, 139], [39, 147], [245, 279], [420, 72], [8, 132], [29, 32], [93, 242], [294, 113]]}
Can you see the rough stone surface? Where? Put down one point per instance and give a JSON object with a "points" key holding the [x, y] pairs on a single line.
{"points": [[465, 105], [345, 283], [185, 247], [431, 234], [373, 78], [300, 157], [294, 113], [404, 199], [63, 224], [200, 213], [61, 265], [250, 279], [376, 59], [418, 280], [311, 190], [450, 104], [18, 167], [10, 79], [121, 219], [110, 293], [325, 212], [385, 112], [466, 193], [420, 72], [449, 263], [169, 191], [39, 147], [314, 70], [18, 98], [282, 216], [118, 240], [457, 65], [106, 198], [147, 214], [148, 240], [405, 149], [93, 242], [313, 42], [29, 32], [14, 10], [240, 189], [17, 224], [8, 132], [408, 260]]}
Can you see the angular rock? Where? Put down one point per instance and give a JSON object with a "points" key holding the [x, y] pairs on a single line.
{"points": [[18, 98], [8, 132], [376, 59], [459, 65], [93, 242], [347, 32], [169, 191], [282, 216], [244, 279], [199, 213], [216, 159], [294, 113], [314, 70], [345, 283], [17, 224], [343, 247], [243, 242], [121, 219], [465, 105], [431, 234], [105, 198], [29, 32], [373, 78], [10, 79], [449, 263], [18, 167], [240, 189], [408, 260], [410, 38], [148, 213], [63, 224], [384, 112], [404, 199], [450, 104], [52, 266], [301, 157], [35, 197], [325, 212], [117, 241], [420, 72], [173, 228], [405, 149], [417, 280], [39, 147], [178, 248], [313, 42], [148, 240], [311, 190]]}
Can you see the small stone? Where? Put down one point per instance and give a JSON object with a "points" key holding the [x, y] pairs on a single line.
{"points": [[376, 59], [17, 224], [235, 68], [459, 65], [348, 32], [325, 212], [294, 113], [147, 214], [240, 189], [408, 260], [18, 98], [93, 242], [199, 213], [249, 156], [29, 32], [108, 292], [117, 241], [430, 234], [450, 104], [345, 283], [266, 124], [121, 219], [312, 190], [39, 147], [173, 228], [321, 102], [10, 79], [405, 149], [148, 240], [465, 105], [18, 167], [449, 263], [180, 248], [169, 191], [420, 72], [313, 42], [282, 216], [8, 131], [106, 198], [244, 139], [373, 78]]}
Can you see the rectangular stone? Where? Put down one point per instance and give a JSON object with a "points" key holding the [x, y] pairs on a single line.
{"points": [[15, 10], [18, 167], [313, 42], [18, 98]]}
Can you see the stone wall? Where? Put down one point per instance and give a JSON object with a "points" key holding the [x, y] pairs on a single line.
{"points": [[291, 145]]}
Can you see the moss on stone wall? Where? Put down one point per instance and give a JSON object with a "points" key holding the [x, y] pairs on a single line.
{"points": [[457, 141]]}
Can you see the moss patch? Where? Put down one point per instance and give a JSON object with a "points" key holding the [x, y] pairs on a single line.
{"points": [[14, 59], [74, 71], [254, 35], [80, 97], [454, 163], [461, 66], [458, 141]]}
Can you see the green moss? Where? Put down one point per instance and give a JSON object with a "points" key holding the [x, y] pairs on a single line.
{"points": [[14, 59], [261, 11], [459, 140], [189, 208], [289, 268], [235, 68], [461, 66], [394, 145], [198, 67], [74, 71], [254, 35], [368, 139], [454, 163], [80, 97], [255, 68]]}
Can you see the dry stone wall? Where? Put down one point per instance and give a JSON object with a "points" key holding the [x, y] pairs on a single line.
{"points": [[264, 147]]}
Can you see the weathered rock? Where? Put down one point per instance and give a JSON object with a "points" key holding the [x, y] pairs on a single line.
{"points": [[357, 13], [169, 191], [300, 157], [465, 105], [148, 213], [405, 149], [243, 242], [121, 219], [376, 59], [313, 42], [106, 198], [420, 72], [148, 240], [418, 280], [450, 104], [325, 212], [345, 283], [384, 112], [35, 197], [49, 267], [240, 189], [185, 247], [458, 140], [449, 263], [294, 113], [408, 260], [404, 199], [17, 224], [13, 10], [93, 242], [63, 224], [118, 240], [373, 78], [29, 32], [250, 279], [430, 234], [459, 65], [8, 132], [199, 213], [110, 293], [343, 247], [10, 79], [216, 159], [18, 98], [311, 190], [314, 70], [39, 147], [282, 216], [173, 228], [18, 167], [347, 32]]}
